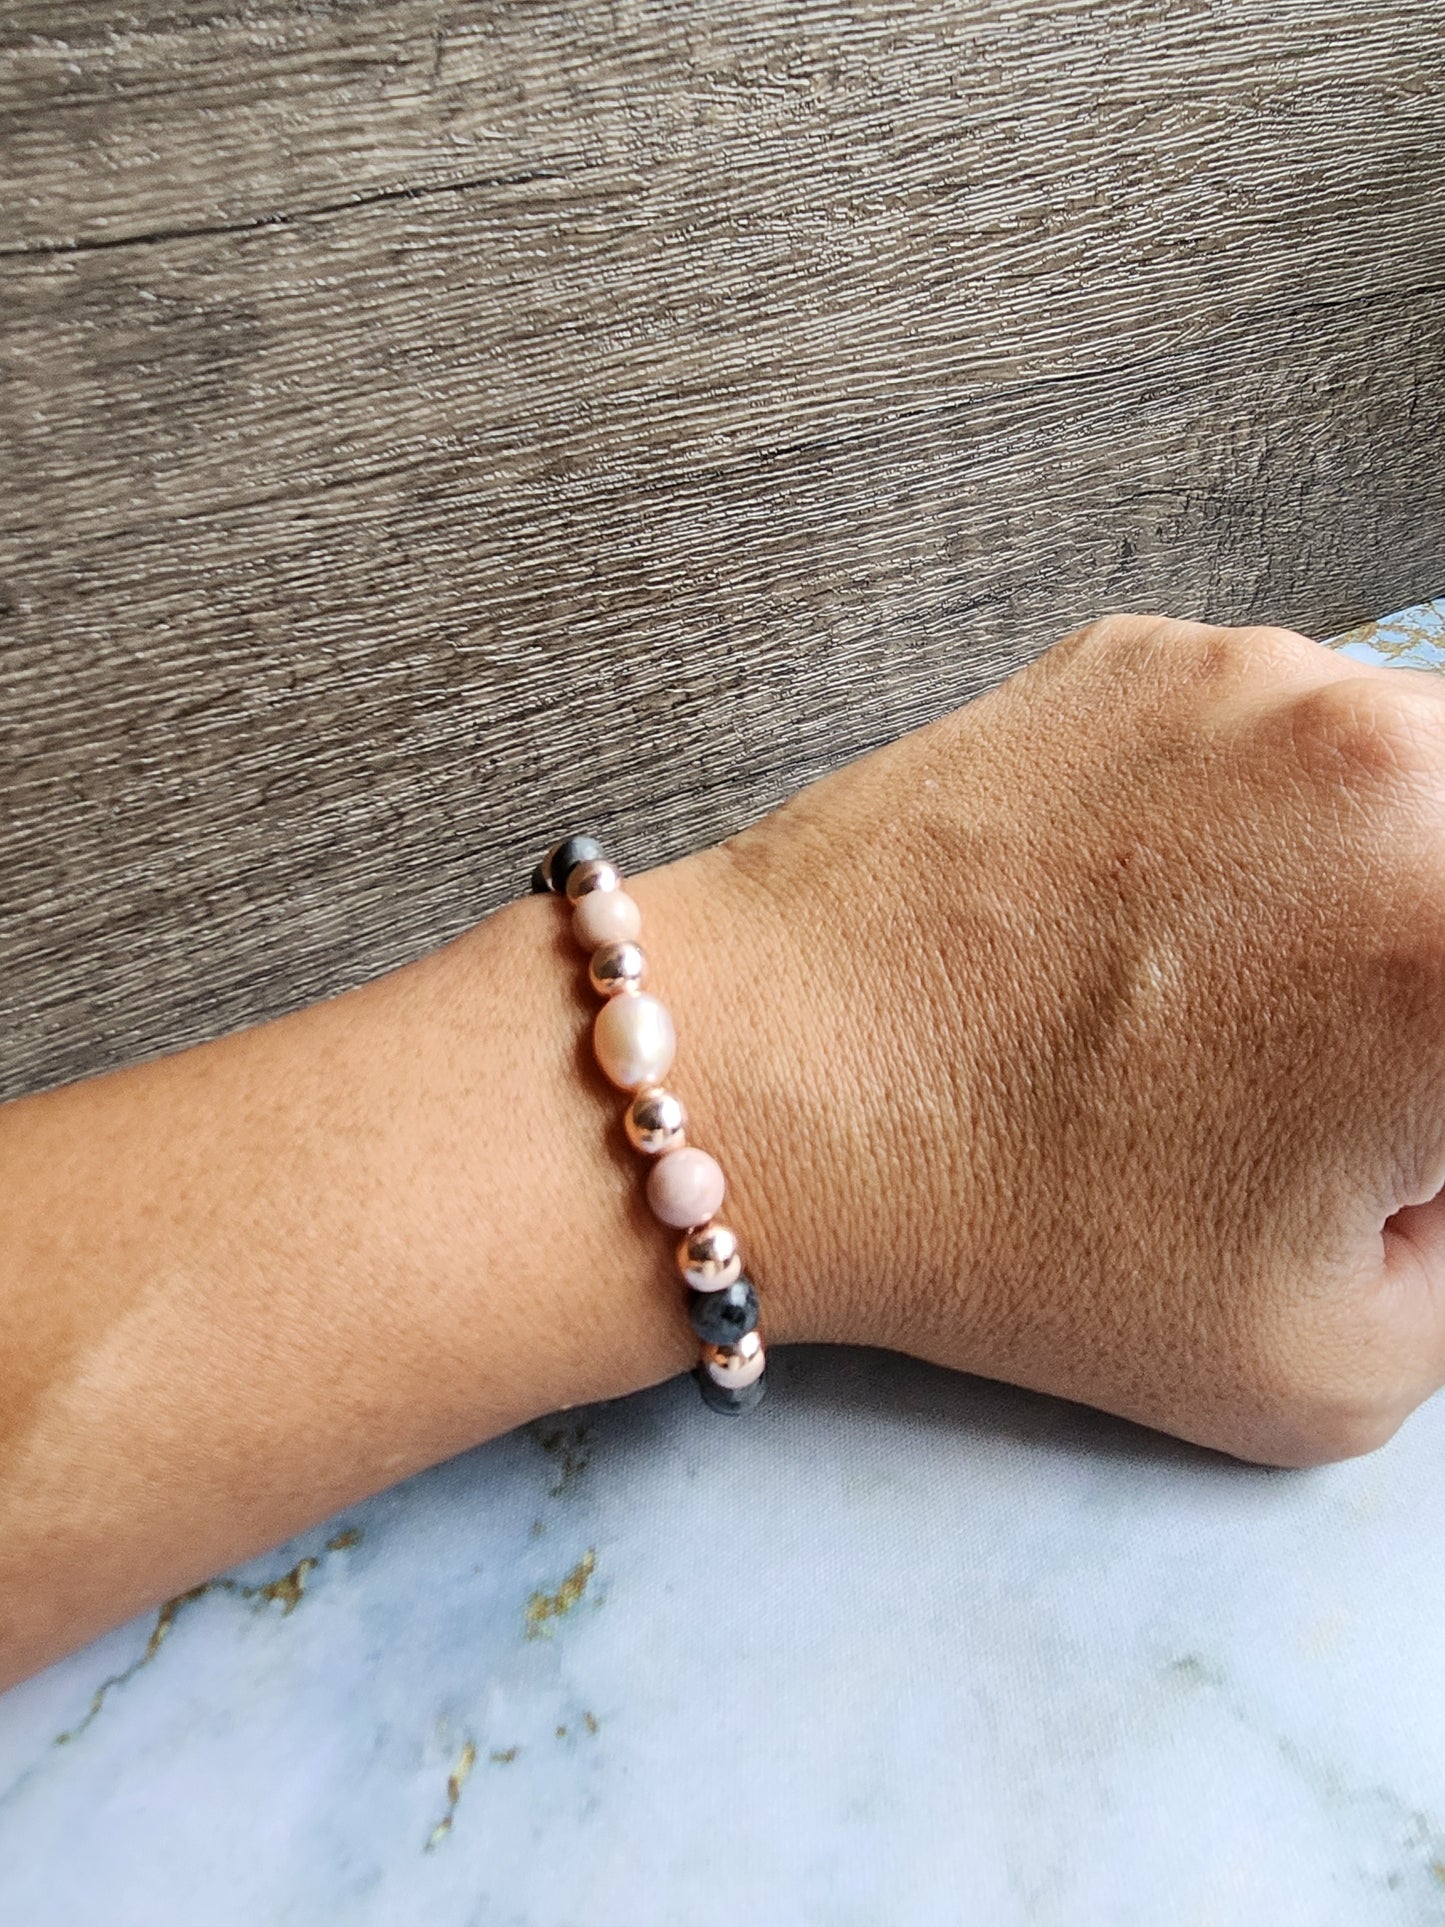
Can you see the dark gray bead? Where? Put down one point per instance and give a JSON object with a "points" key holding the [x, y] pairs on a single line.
{"points": [[722, 1317], [731, 1403], [565, 858], [540, 886]]}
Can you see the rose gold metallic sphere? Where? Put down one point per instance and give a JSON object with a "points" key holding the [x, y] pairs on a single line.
{"points": [[709, 1258], [655, 1122], [616, 967], [595, 874], [735, 1367]]}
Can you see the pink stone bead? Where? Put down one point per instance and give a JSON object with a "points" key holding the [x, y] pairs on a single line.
{"points": [[685, 1188], [606, 916]]}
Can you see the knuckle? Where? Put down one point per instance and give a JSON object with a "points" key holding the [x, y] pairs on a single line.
{"points": [[1174, 657], [1335, 1387], [1367, 733], [1109, 639], [1283, 648]]}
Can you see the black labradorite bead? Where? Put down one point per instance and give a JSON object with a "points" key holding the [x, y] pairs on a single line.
{"points": [[540, 886], [731, 1403], [566, 857], [722, 1317]]}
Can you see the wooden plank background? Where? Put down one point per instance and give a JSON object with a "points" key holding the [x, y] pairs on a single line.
{"points": [[426, 424]]}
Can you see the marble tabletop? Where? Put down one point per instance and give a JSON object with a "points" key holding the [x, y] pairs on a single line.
{"points": [[905, 1650]]}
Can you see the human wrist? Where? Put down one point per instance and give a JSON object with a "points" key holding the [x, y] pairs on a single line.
{"points": [[775, 1070]]}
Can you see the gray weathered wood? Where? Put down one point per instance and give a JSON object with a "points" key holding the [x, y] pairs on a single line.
{"points": [[428, 424]]}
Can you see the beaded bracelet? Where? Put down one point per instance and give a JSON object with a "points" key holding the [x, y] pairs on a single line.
{"points": [[634, 1041]]}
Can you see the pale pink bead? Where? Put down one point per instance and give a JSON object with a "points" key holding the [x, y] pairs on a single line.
{"points": [[685, 1187], [606, 916]]}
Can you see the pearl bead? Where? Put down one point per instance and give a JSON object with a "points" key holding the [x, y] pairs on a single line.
{"points": [[735, 1367], [708, 1257], [560, 861], [731, 1404], [616, 967], [634, 1040], [685, 1187], [655, 1121], [595, 874], [606, 916], [723, 1317]]}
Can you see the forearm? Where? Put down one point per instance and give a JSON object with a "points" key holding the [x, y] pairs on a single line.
{"points": [[1017, 1040], [246, 1284]]}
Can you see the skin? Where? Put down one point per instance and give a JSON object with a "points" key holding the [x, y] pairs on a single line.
{"points": [[1092, 1037]]}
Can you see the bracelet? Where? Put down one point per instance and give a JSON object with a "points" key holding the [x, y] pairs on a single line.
{"points": [[634, 1042]]}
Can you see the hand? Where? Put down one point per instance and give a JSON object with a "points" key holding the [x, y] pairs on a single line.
{"points": [[1093, 1038]]}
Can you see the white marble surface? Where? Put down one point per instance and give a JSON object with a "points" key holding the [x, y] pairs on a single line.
{"points": [[903, 1650]]}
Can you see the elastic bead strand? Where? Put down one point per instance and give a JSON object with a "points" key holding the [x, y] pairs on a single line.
{"points": [[634, 1042]]}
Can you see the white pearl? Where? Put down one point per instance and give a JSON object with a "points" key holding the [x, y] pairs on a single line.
{"points": [[606, 916], [634, 1040]]}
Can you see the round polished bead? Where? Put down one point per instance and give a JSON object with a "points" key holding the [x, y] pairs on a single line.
{"points": [[735, 1367], [595, 874], [634, 1040], [616, 967], [723, 1317], [708, 1257], [685, 1187], [655, 1121], [606, 916], [562, 859], [731, 1404]]}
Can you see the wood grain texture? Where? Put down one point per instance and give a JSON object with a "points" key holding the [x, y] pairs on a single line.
{"points": [[430, 424]]}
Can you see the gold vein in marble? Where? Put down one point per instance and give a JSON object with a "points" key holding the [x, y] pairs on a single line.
{"points": [[571, 1448], [287, 1592], [544, 1607], [456, 1780], [1397, 637]]}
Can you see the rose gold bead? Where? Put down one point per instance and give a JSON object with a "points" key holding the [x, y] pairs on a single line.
{"points": [[708, 1257], [655, 1121], [685, 1187], [595, 874], [606, 916], [616, 967], [735, 1367]]}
